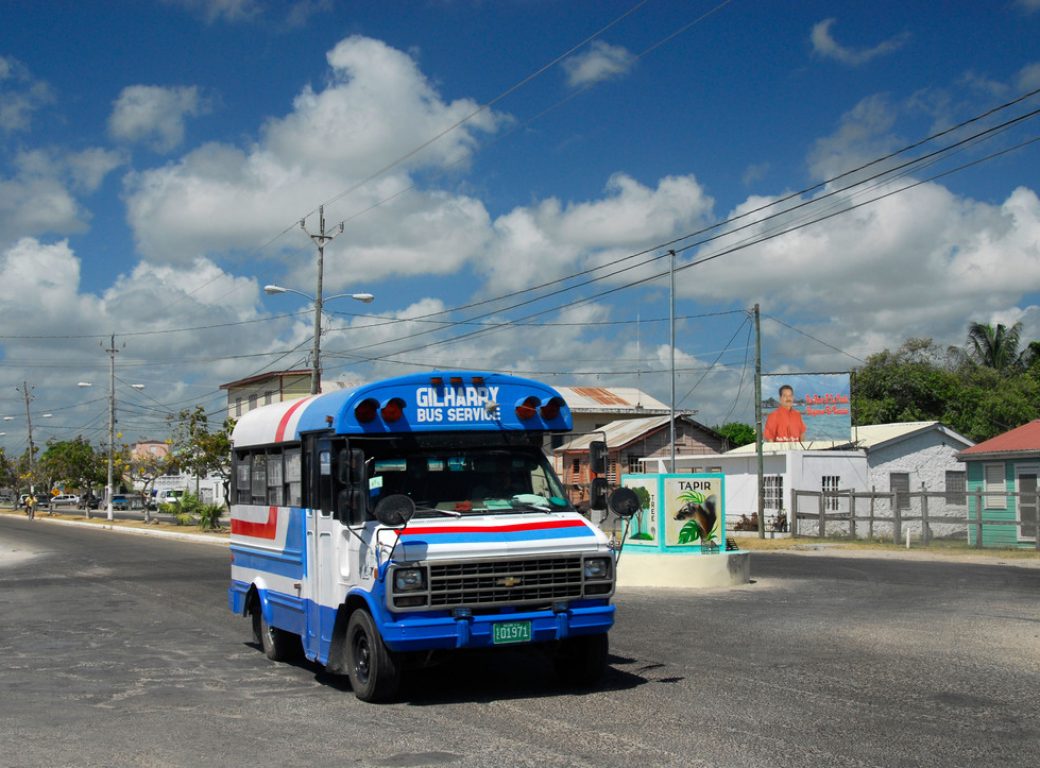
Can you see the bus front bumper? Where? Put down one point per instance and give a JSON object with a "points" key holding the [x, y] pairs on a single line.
{"points": [[422, 632]]}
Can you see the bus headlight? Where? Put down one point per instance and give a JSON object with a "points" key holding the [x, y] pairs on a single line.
{"points": [[597, 568], [409, 580]]}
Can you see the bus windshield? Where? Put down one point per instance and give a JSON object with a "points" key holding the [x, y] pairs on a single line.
{"points": [[463, 479]]}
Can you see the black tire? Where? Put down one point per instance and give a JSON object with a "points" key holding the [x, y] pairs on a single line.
{"points": [[373, 668], [581, 661], [278, 644]]}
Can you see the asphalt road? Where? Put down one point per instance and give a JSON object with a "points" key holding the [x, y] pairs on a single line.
{"points": [[119, 650]]}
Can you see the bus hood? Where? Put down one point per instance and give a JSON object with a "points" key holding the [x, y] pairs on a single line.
{"points": [[498, 536]]}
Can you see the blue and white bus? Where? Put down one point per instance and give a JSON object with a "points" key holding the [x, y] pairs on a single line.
{"points": [[379, 525]]}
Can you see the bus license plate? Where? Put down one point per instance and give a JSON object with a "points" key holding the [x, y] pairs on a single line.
{"points": [[511, 632]]}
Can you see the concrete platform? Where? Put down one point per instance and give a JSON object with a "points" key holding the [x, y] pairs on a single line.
{"points": [[644, 569]]}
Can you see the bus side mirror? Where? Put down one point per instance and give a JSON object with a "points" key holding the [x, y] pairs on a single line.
{"points": [[351, 502], [350, 465], [598, 493], [395, 510], [598, 457], [351, 505], [623, 502]]}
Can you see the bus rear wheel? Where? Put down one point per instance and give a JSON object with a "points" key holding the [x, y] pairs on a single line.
{"points": [[277, 643], [373, 668]]}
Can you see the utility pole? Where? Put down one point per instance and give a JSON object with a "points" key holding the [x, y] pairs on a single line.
{"points": [[320, 240], [27, 391], [671, 349], [758, 428], [111, 420]]}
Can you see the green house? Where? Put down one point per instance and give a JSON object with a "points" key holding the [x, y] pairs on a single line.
{"points": [[1001, 478]]}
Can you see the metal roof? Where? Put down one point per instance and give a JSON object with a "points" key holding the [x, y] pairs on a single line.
{"points": [[620, 433], [605, 399], [1021, 440]]}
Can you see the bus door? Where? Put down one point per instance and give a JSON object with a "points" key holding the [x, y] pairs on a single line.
{"points": [[322, 527]]}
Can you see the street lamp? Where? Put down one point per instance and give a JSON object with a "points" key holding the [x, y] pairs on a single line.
{"points": [[111, 424], [365, 298]]}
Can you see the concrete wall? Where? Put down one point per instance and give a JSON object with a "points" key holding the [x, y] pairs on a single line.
{"points": [[925, 457]]}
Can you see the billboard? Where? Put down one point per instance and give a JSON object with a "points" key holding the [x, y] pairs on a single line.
{"points": [[678, 512], [803, 407]]}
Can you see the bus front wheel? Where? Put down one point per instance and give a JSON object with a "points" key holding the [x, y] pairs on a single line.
{"points": [[373, 668]]}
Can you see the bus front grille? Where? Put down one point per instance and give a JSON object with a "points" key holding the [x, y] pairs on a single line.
{"points": [[508, 582]]}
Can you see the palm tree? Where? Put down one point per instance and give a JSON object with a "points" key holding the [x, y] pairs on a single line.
{"points": [[995, 348]]}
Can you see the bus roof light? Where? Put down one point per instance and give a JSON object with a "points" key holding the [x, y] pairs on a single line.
{"points": [[393, 410], [456, 381], [365, 411], [551, 408], [437, 381], [527, 408], [478, 381]]}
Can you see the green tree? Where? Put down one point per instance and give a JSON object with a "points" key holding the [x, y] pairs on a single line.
{"points": [[72, 464], [202, 451], [736, 434], [8, 473], [914, 383], [920, 382], [996, 347], [146, 468]]}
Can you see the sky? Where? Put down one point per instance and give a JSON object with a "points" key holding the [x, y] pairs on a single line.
{"points": [[510, 177]]}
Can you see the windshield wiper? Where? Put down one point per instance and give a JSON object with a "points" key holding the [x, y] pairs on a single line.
{"points": [[445, 512]]}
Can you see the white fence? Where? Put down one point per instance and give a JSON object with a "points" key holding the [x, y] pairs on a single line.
{"points": [[923, 515]]}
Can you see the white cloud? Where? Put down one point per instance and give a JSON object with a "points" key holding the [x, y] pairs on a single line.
{"points": [[826, 46], [35, 200], [1028, 78], [154, 115], [924, 258], [863, 135], [376, 108], [549, 240], [1029, 6], [600, 62], [21, 95], [221, 10]]}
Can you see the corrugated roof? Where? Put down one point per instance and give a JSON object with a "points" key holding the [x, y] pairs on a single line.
{"points": [[1024, 439], [619, 433], [610, 399]]}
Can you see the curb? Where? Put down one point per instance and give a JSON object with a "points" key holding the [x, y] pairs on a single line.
{"points": [[197, 538]]}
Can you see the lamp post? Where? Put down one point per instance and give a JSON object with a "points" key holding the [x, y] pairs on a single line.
{"points": [[111, 425], [365, 298]]}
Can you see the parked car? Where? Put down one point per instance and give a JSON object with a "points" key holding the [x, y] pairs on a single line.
{"points": [[120, 501], [167, 497], [65, 500]]}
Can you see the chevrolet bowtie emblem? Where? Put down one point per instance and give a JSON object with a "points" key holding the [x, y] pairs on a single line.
{"points": [[510, 581]]}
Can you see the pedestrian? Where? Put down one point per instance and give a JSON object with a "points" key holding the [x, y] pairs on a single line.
{"points": [[30, 505]]}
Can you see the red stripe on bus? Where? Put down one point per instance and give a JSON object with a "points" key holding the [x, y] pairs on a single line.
{"points": [[542, 526], [266, 530], [279, 435]]}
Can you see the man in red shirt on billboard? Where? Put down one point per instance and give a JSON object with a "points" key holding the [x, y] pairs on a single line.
{"points": [[785, 425]]}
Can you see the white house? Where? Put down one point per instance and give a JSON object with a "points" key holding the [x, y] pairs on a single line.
{"points": [[784, 470], [903, 458]]}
